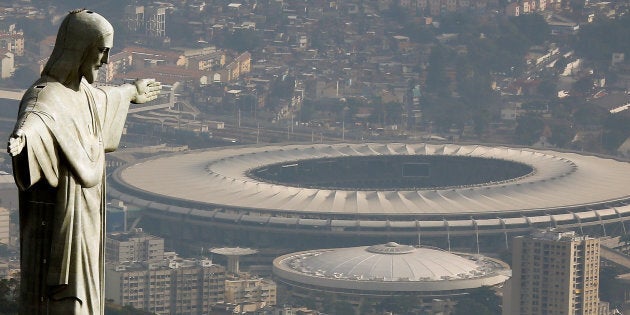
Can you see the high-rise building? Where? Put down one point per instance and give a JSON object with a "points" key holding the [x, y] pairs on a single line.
{"points": [[116, 211], [553, 272], [155, 21], [173, 286], [196, 287], [4, 226], [134, 15], [12, 40], [140, 274]]}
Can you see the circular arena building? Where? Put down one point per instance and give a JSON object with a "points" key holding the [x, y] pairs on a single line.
{"points": [[367, 276], [331, 195]]}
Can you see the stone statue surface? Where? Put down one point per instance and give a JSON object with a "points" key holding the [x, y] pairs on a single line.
{"points": [[63, 129]]}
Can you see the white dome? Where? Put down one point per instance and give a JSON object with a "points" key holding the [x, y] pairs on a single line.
{"points": [[390, 267], [392, 262]]}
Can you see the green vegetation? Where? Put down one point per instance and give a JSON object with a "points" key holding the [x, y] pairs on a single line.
{"points": [[242, 40], [611, 288], [398, 304], [485, 47], [480, 301], [597, 41], [8, 296], [529, 128], [616, 131]]}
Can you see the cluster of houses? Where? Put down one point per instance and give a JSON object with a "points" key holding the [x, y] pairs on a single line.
{"points": [[319, 50]]}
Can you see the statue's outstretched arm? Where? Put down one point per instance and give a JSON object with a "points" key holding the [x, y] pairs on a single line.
{"points": [[146, 90]]}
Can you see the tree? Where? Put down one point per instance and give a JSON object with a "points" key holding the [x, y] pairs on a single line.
{"points": [[577, 6], [481, 119], [597, 41], [561, 133], [611, 288], [583, 85], [437, 81], [533, 28], [392, 112], [243, 40], [548, 89], [480, 301], [528, 129], [8, 296], [397, 13], [283, 87], [589, 115], [398, 304], [343, 307], [458, 22], [616, 131]]}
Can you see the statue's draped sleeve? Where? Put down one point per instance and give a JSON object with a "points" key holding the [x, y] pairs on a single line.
{"points": [[40, 158], [112, 115]]}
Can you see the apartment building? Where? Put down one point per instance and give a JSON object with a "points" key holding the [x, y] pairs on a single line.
{"points": [[173, 286], [553, 272], [196, 286], [12, 40], [150, 19], [4, 226], [247, 291], [7, 63]]}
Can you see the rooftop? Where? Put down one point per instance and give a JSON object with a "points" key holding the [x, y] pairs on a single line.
{"points": [[220, 177], [385, 265]]}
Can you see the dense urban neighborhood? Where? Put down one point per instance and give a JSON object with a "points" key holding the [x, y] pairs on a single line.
{"points": [[548, 73], [543, 74]]}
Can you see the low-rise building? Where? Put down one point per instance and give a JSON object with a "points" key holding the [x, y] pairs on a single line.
{"points": [[255, 291], [135, 246]]}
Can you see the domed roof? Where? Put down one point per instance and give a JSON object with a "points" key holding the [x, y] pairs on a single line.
{"points": [[391, 266], [391, 261]]}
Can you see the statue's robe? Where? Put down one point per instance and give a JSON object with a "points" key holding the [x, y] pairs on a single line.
{"points": [[60, 174]]}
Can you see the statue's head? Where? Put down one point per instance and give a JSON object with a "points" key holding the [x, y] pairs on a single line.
{"points": [[82, 46]]}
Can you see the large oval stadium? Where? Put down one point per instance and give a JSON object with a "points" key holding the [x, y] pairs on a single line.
{"points": [[363, 193]]}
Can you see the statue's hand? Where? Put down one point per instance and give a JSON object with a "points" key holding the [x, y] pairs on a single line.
{"points": [[16, 142], [147, 90]]}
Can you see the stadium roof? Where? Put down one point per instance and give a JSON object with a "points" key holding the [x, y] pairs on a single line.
{"points": [[219, 177]]}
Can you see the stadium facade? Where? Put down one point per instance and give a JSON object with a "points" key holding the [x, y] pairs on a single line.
{"points": [[366, 193]]}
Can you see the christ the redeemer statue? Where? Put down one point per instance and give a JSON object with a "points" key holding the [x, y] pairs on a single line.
{"points": [[64, 127]]}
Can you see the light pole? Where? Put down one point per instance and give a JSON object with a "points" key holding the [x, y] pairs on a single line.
{"points": [[343, 123]]}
